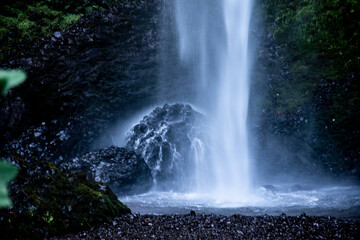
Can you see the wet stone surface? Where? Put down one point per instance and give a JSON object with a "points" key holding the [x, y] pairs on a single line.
{"points": [[193, 226], [101, 68], [165, 139], [57, 141], [124, 171]]}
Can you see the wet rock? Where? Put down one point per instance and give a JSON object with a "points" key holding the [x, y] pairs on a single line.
{"points": [[57, 34], [270, 188], [124, 171], [165, 138], [12, 111]]}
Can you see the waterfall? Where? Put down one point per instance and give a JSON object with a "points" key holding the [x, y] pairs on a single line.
{"points": [[230, 157], [197, 143], [212, 45]]}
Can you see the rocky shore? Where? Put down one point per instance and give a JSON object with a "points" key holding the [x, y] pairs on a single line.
{"points": [[200, 226]]}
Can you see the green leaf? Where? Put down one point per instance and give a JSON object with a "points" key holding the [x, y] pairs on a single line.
{"points": [[10, 79], [7, 173]]}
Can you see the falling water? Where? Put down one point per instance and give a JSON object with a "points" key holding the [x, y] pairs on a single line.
{"points": [[213, 43], [206, 63], [231, 158]]}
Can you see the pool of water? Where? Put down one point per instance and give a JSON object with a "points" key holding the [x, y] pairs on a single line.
{"points": [[336, 201]]}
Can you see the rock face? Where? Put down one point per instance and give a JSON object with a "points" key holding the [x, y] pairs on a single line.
{"points": [[164, 138], [95, 70], [286, 156], [79, 81], [124, 171], [49, 201], [288, 106]]}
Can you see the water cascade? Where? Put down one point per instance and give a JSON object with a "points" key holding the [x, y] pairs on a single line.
{"points": [[197, 144], [213, 44]]}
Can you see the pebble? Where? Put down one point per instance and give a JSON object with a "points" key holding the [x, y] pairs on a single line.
{"points": [[57, 34], [136, 226]]}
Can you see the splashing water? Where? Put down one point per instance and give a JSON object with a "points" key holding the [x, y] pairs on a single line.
{"points": [[341, 201], [231, 157], [210, 70]]}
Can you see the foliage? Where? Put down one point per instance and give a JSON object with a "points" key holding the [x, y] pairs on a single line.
{"points": [[22, 20], [8, 80], [7, 173]]}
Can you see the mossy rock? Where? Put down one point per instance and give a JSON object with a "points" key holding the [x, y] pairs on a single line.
{"points": [[49, 201]]}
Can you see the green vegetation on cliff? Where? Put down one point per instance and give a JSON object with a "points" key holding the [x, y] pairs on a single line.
{"points": [[321, 35], [29, 20], [320, 41]]}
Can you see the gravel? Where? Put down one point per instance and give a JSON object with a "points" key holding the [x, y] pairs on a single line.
{"points": [[196, 226]]}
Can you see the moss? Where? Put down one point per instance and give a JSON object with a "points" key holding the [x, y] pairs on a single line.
{"points": [[93, 8], [70, 19], [31, 20], [321, 41], [26, 27], [49, 201], [6, 23], [328, 30]]}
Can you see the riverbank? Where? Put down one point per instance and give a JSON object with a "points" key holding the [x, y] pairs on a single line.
{"points": [[200, 226]]}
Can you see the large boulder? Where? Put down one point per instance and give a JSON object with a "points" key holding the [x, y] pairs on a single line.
{"points": [[165, 138], [50, 201], [124, 171]]}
